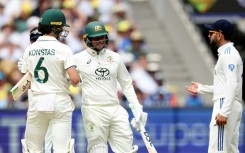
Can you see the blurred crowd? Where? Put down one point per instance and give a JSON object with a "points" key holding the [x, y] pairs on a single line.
{"points": [[18, 17]]}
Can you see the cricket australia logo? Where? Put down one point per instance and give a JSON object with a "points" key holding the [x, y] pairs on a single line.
{"points": [[97, 28], [109, 59], [103, 74]]}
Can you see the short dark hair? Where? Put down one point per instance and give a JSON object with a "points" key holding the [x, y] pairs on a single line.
{"points": [[45, 29]]}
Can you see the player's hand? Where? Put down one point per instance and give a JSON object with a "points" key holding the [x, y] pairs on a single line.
{"points": [[220, 120], [22, 65], [192, 87], [143, 120], [139, 116], [138, 111]]}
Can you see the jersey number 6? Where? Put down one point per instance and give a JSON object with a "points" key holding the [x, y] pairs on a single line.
{"points": [[41, 68]]}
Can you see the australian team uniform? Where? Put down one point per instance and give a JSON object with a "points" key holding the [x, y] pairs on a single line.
{"points": [[50, 105], [103, 116], [227, 97]]}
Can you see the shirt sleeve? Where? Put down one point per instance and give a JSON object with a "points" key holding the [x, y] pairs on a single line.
{"points": [[125, 81], [205, 89], [25, 57], [229, 65], [69, 59]]}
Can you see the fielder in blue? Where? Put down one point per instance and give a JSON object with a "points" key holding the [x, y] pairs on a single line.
{"points": [[226, 90]]}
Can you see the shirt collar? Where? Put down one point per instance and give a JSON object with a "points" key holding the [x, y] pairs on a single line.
{"points": [[93, 52], [224, 46], [46, 38]]}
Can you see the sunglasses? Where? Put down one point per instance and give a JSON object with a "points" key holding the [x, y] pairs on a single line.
{"points": [[210, 33]]}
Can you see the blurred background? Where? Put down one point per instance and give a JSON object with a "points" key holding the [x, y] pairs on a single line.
{"points": [[164, 46]]}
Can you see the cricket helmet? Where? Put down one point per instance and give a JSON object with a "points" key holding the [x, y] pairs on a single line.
{"points": [[53, 17], [54, 20], [92, 30]]}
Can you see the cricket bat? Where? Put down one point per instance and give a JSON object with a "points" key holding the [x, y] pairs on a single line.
{"points": [[145, 136], [21, 86]]}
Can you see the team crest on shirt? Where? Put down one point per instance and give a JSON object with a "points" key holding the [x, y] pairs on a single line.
{"points": [[91, 127], [89, 61], [231, 67], [109, 59]]}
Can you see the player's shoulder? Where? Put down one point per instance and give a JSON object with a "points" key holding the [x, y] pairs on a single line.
{"points": [[63, 46], [80, 55], [114, 56], [230, 53], [83, 52], [229, 50], [112, 53]]}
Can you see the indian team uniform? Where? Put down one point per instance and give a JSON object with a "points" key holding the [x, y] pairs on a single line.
{"points": [[50, 104], [102, 113], [227, 97]]}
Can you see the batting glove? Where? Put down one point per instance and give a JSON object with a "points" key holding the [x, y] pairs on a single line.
{"points": [[138, 110], [139, 116], [22, 65], [142, 121]]}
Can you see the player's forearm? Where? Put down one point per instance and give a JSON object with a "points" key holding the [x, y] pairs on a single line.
{"points": [[129, 92], [205, 89]]}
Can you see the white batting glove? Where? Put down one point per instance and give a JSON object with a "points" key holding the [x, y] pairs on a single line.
{"points": [[22, 65], [139, 116], [143, 120], [138, 110]]}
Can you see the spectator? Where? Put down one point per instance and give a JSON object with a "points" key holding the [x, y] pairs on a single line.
{"points": [[194, 100], [137, 47], [115, 14], [162, 97], [143, 80], [124, 29], [4, 88]]}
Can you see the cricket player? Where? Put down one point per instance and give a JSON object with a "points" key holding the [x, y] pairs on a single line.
{"points": [[50, 105], [47, 145], [105, 120], [226, 90]]}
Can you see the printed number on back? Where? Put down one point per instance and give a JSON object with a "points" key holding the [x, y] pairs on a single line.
{"points": [[41, 68]]}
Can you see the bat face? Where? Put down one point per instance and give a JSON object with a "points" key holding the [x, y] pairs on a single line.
{"points": [[21, 86], [21, 89]]}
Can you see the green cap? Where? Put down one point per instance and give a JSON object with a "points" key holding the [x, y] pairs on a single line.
{"points": [[53, 17]]}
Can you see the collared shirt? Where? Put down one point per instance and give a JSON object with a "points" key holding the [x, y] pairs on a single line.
{"points": [[99, 73], [227, 78], [47, 61]]}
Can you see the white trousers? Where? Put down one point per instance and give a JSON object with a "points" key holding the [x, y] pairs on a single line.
{"points": [[47, 145], [59, 122], [108, 123], [224, 139]]}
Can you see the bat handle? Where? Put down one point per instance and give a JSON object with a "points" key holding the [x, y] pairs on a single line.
{"points": [[150, 147]]}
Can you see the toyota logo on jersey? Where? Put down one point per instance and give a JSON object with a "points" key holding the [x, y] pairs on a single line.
{"points": [[102, 73]]}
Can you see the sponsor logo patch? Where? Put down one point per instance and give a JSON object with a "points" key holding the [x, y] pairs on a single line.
{"points": [[231, 67]]}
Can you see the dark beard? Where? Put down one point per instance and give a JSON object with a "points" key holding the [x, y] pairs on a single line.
{"points": [[213, 45]]}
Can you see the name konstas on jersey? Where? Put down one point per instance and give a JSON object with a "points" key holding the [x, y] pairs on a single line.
{"points": [[42, 52]]}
